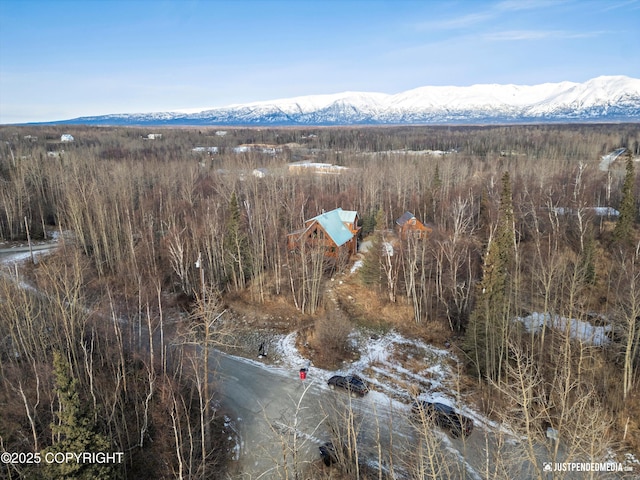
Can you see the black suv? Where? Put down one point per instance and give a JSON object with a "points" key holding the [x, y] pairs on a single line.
{"points": [[352, 383], [328, 453], [443, 416]]}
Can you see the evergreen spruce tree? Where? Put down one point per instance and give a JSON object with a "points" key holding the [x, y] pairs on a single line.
{"points": [[623, 232], [380, 224], [434, 193], [371, 270], [488, 329], [73, 431], [236, 247], [437, 180], [368, 224]]}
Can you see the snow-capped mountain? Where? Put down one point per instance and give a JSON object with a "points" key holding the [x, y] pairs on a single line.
{"points": [[606, 99]]}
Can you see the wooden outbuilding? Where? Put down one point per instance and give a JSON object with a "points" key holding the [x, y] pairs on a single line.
{"points": [[408, 225]]}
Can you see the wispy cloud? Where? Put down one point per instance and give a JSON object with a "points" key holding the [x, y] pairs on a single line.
{"points": [[635, 4], [517, 5], [463, 21], [513, 35], [489, 12]]}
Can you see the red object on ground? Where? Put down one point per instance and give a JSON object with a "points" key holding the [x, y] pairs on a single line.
{"points": [[303, 373]]}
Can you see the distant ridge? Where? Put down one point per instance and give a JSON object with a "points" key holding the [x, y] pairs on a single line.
{"points": [[602, 99]]}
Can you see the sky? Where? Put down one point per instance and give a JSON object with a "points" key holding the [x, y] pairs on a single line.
{"points": [[62, 59]]}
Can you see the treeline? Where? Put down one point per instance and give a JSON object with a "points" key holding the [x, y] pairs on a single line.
{"points": [[513, 215]]}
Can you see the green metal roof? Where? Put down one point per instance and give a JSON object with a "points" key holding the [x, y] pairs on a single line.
{"points": [[333, 223]]}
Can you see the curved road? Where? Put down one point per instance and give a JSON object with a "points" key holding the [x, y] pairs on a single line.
{"points": [[282, 420], [280, 416]]}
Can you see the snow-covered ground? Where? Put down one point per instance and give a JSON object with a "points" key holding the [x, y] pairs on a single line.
{"points": [[597, 211], [577, 329], [432, 374]]}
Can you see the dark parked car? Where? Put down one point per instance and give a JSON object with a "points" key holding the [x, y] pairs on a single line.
{"points": [[328, 453], [444, 417], [352, 383], [332, 453]]}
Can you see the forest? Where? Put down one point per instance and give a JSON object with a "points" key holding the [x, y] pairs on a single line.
{"points": [[158, 234]]}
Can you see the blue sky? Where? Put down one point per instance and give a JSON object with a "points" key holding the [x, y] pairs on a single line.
{"points": [[64, 59]]}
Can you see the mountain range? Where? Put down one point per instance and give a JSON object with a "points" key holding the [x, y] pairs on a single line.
{"points": [[602, 99]]}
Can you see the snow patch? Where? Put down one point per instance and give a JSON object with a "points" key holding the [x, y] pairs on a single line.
{"points": [[609, 158], [577, 329], [356, 266], [597, 211]]}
